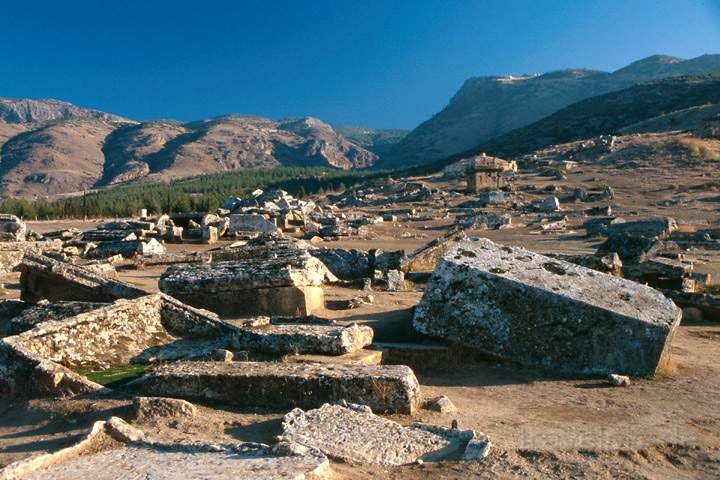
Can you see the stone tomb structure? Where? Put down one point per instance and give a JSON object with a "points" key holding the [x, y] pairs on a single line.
{"points": [[289, 285]]}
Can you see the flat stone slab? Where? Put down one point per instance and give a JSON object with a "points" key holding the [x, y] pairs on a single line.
{"points": [[534, 310], [359, 357], [310, 339], [385, 388], [114, 450], [359, 437]]}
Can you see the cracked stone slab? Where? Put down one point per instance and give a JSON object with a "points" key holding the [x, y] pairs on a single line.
{"points": [[384, 388], [114, 450], [361, 437], [538, 311], [304, 339]]}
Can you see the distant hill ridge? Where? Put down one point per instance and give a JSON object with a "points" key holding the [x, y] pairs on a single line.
{"points": [[487, 107], [50, 147]]}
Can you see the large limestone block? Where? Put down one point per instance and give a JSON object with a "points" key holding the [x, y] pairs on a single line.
{"points": [[385, 388], [285, 286], [304, 339], [245, 222], [521, 306]]}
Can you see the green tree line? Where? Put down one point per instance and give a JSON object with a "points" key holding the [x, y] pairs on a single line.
{"points": [[202, 193]]}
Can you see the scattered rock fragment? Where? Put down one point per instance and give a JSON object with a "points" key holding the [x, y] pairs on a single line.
{"points": [[618, 380], [151, 408], [440, 404]]}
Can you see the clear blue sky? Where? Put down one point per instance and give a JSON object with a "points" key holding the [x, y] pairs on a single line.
{"points": [[379, 63]]}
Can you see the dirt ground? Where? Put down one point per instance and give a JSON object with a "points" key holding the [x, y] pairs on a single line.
{"points": [[541, 425]]}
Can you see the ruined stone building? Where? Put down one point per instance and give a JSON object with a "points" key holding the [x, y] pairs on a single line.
{"points": [[485, 173]]}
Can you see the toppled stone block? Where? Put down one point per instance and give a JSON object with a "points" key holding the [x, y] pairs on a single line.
{"points": [[534, 310], [385, 388], [550, 204], [440, 404], [37, 360], [346, 264], [618, 380], [658, 227], [360, 437], [17, 316], [286, 285], [485, 221], [426, 257], [113, 449], [44, 278], [632, 248], [243, 223], [303, 339], [12, 229], [396, 280], [12, 253], [151, 408], [128, 249]]}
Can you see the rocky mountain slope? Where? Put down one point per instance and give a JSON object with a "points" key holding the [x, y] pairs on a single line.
{"points": [[376, 140], [626, 110], [486, 107], [51, 148], [27, 110]]}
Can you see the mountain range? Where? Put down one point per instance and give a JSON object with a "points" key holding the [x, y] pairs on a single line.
{"points": [[49, 147]]}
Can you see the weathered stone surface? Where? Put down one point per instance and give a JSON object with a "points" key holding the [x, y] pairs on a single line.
{"points": [[485, 221], [358, 357], [618, 380], [630, 247], [12, 253], [105, 337], [440, 404], [127, 249], [426, 257], [242, 223], [287, 285], [151, 408], [303, 339], [550, 204], [358, 437], [385, 388], [42, 277], [17, 316], [37, 360], [12, 228], [538, 311], [346, 264], [658, 227], [396, 280], [115, 450]]}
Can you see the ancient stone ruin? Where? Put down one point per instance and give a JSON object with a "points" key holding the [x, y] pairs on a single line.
{"points": [[537, 311], [287, 285]]}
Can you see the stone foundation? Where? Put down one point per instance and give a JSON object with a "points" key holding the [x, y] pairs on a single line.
{"points": [[391, 388]]}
